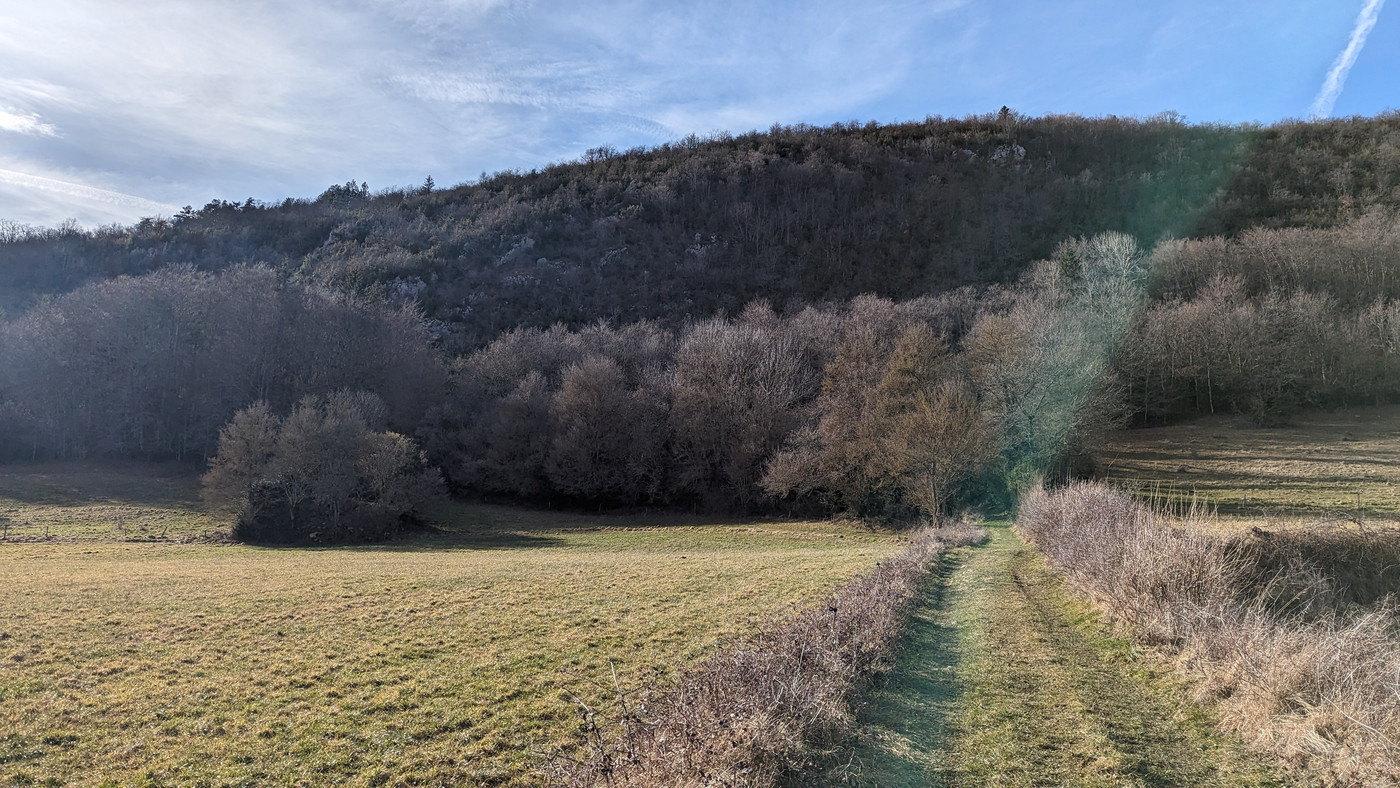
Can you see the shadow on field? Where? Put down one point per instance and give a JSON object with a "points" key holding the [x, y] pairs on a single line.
{"points": [[438, 542], [905, 725], [75, 484]]}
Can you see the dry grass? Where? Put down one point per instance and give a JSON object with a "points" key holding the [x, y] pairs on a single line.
{"points": [[1272, 628], [103, 502], [447, 659], [1325, 466], [762, 708]]}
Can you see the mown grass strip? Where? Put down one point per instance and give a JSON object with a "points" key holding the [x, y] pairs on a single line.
{"points": [[906, 719], [1034, 691], [1053, 699]]}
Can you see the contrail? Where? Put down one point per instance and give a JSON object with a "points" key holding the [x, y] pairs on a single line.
{"points": [[1337, 77], [84, 192]]}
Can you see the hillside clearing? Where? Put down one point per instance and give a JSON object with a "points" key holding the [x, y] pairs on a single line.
{"points": [[443, 659], [1325, 465]]}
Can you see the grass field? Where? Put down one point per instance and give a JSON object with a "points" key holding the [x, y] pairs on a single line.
{"points": [[1324, 465], [131, 659], [102, 502]]}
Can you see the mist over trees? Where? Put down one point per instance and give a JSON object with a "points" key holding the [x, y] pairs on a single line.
{"points": [[153, 366], [887, 321]]}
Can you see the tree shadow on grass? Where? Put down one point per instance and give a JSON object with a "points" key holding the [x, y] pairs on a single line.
{"points": [[905, 724], [84, 483], [438, 542]]}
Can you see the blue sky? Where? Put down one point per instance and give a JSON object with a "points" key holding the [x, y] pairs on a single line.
{"points": [[110, 111]]}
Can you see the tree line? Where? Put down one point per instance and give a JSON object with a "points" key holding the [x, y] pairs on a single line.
{"points": [[153, 366], [828, 394], [1268, 323], [877, 407]]}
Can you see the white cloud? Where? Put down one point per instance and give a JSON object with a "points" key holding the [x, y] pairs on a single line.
{"points": [[25, 123], [193, 100], [1337, 77]]}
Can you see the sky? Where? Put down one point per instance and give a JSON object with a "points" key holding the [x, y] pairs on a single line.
{"points": [[113, 111]]}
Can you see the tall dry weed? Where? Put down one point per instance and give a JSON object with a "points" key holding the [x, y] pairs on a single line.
{"points": [[763, 707], [1290, 635]]}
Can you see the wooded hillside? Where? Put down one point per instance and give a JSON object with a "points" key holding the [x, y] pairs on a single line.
{"points": [[877, 319], [793, 214]]}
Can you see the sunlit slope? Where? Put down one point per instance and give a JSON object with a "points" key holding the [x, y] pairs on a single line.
{"points": [[1338, 465]]}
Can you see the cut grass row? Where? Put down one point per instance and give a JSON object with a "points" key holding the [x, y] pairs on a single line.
{"points": [[1323, 466], [447, 659], [1054, 698], [1006, 679]]}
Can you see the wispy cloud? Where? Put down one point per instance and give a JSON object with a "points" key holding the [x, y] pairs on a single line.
{"points": [[25, 123], [1337, 77], [85, 193]]}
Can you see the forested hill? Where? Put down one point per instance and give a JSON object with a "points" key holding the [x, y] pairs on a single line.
{"points": [[795, 214]]}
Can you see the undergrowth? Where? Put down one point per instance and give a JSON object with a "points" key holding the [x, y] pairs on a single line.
{"points": [[1292, 634], [764, 707]]}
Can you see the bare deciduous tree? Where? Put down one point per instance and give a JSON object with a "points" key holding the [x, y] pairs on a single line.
{"points": [[320, 474]]}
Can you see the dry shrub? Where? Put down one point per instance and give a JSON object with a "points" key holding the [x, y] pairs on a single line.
{"points": [[1136, 565], [1292, 635], [1361, 565], [764, 707]]}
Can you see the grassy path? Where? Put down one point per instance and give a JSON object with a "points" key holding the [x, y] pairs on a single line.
{"points": [[1008, 680]]}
